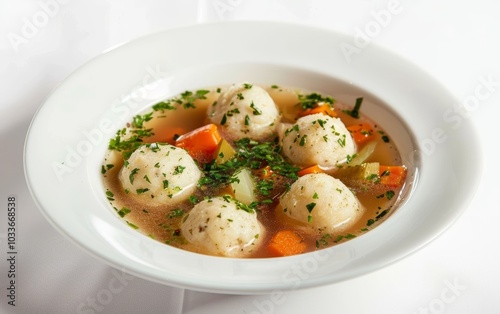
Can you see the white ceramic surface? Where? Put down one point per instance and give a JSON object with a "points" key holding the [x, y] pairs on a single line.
{"points": [[69, 134]]}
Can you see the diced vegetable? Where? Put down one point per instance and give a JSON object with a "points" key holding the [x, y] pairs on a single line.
{"points": [[309, 170], [201, 143], [361, 132], [224, 152], [286, 243], [323, 108], [393, 176], [244, 187], [362, 155]]}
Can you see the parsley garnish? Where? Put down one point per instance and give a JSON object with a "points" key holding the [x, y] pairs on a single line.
{"points": [[310, 206], [389, 194], [355, 111], [132, 174], [124, 211], [179, 169], [312, 100], [175, 213], [138, 120], [256, 111]]}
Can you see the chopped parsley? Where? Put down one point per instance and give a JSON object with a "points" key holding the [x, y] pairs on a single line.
{"points": [[123, 212], [138, 120], [256, 111], [175, 213], [303, 140], [310, 207], [223, 120], [110, 195], [132, 225], [132, 174], [179, 169], [389, 194], [355, 111], [311, 100]]}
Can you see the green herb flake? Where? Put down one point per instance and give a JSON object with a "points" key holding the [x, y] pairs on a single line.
{"points": [[193, 199], [179, 169], [303, 140], [110, 195], [389, 194], [132, 174], [138, 120], [341, 140], [175, 213], [355, 111], [310, 206], [132, 225], [323, 241], [312, 100], [256, 111], [123, 212]]}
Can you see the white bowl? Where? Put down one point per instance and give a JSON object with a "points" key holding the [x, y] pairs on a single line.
{"points": [[70, 132]]}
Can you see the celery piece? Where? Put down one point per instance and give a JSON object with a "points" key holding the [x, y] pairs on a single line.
{"points": [[244, 187]]}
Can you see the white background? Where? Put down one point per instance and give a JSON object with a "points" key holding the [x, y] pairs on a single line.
{"points": [[43, 41]]}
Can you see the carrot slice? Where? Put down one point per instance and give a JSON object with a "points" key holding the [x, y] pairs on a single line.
{"points": [[309, 170], [201, 143], [361, 132], [393, 176], [324, 109], [286, 243]]}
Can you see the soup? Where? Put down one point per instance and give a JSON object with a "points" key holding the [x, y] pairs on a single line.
{"points": [[252, 171]]}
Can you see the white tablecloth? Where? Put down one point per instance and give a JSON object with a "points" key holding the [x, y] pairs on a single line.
{"points": [[43, 41]]}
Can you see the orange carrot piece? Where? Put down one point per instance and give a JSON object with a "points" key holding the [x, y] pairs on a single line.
{"points": [[286, 243], [393, 176], [324, 109], [361, 132], [201, 143], [310, 170]]}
